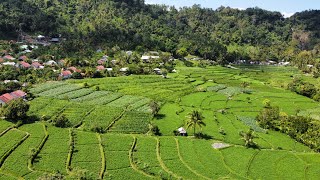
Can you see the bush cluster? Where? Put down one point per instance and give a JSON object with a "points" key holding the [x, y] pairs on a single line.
{"points": [[303, 129]]}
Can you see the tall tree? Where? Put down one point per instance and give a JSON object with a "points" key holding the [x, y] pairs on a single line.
{"points": [[195, 119], [15, 110]]}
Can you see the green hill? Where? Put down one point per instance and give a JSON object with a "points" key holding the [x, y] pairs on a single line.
{"points": [[253, 33]]}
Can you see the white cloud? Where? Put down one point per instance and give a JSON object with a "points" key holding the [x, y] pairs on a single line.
{"points": [[240, 8], [287, 15]]}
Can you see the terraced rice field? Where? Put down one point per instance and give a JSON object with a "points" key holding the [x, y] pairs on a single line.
{"points": [[90, 109], [126, 150], [114, 156]]}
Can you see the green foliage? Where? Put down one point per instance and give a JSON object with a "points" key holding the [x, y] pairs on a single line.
{"points": [[182, 52], [61, 121], [303, 129], [268, 116], [302, 88], [154, 106], [154, 130], [76, 75], [15, 110]]}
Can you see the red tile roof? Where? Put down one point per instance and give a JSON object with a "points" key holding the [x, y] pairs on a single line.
{"points": [[100, 61], [25, 64], [14, 95], [18, 94], [1, 60], [100, 68], [36, 64], [66, 73], [2, 99], [8, 57], [74, 69], [23, 58], [6, 97]]}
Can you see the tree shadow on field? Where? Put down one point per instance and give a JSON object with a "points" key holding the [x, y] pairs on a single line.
{"points": [[160, 116], [37, 159], [203, 136], [31, 119]]}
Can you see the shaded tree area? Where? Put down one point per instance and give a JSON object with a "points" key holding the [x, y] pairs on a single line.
{"points": [[25, 15]]}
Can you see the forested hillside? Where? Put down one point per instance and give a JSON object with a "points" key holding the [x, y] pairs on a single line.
{"points": [[223, 34]]}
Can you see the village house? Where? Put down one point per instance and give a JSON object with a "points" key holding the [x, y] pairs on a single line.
{"points": [[36, 65], [6, 98], [74, 69], [124, 70], [41, 37], [51, 63], [101, 61], [129, 53], [105, 57], [19, 94], [2, 103], [62, 62], [147, 59], [100, 68], [55, 40], [9, 63], [24, 47], [23, 58], [7, 81], [66, 74], [157, 71], [24, 65], [26, 51], [182, 131], [8, 57], [114, 62]]}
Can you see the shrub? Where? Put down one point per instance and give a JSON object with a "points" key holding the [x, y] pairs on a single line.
{"points": [[61, 121], [97, 128], [76, 75], [316, 97]]}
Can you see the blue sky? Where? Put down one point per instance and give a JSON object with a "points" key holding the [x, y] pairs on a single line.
{"points": [[287, 7]]}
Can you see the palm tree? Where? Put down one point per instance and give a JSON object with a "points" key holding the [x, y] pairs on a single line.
{"points": [[195, 119], [248, 138]]}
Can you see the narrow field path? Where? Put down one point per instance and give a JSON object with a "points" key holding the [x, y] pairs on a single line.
{"points": [[103, 158], [162, 163], [185, 164], [133, 165], [250, 163]]}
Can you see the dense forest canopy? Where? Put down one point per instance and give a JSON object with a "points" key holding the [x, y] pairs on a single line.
{"points": [[224, 34]]}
